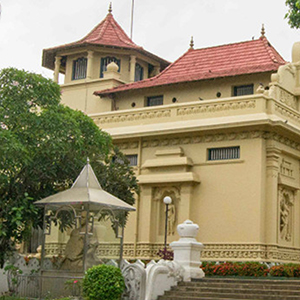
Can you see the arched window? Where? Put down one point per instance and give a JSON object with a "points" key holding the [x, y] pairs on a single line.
{"points": [[105, 61], [79, 68], [139, 72]]}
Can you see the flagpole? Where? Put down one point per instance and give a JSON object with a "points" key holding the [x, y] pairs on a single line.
{"points": [[132, 8]]}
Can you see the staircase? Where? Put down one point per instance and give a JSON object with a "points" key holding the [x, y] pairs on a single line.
{"points": [[226, 289]]}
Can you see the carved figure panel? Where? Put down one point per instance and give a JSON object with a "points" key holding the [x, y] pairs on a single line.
{"points": [[158, 195], [286, 201], [288, 99]]}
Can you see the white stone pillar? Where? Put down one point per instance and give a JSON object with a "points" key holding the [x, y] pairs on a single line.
{"points": [[187, 250], [56, 68], [132, 68], [89, 70]]}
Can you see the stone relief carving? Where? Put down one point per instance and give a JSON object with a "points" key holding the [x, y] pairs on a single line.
{"points": [[286, 168], [286, 112], [286, 202], [135, 280], [288, 99]]}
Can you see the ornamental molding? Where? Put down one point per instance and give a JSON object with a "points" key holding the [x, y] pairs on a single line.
{"points": [[119, 117], [211, 252], [197, 139], [215, 107], [163, 113], [127, 145], [288, 99], [160, 192], [232, 136], [287, 113]]}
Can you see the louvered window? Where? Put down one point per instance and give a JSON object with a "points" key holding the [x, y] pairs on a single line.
{"points": [[224, 153], [243, 90], [79, 68], [105, 61]]}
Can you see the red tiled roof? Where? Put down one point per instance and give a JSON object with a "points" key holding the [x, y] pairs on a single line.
{"points": [[253, 56], [108, 33]]}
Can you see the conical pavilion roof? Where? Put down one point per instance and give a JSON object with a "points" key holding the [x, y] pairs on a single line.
{"points": [[86, 190], [107, 33]]}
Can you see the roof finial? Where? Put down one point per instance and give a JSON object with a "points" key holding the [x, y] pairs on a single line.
{"points": [[110, 8], [192, 43], [263, 30]]}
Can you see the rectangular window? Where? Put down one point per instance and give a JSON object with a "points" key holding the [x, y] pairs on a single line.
{"points": [[224, 153], [139, 72], [79, 68], [243, 90], [155, 100], [132, 159]]}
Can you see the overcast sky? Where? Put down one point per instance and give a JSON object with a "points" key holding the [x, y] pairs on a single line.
{"points": [[163, 27]]}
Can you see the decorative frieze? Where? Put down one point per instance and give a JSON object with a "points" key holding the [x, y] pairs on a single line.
{"points": [[287, 113], [288, 99], [215, 107], [171, 141], [129, 117], [211, 252]]}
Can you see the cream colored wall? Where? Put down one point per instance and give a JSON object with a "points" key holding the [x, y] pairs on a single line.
{"points": [[80, 96], [187, 92], [226, 204]]}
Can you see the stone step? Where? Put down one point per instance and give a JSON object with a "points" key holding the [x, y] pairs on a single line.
{"points": [[235, 289], [240, 285], [246, 280], [200, 290], [223, 296]]}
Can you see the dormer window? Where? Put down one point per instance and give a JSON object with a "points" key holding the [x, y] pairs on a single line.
{"points": [[139, 72], [79, 68], [105, 61]]}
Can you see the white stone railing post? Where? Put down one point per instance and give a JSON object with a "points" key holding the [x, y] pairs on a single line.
{"points": [[187, 250]]}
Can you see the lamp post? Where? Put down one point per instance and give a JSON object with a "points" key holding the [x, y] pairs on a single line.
{"points": [[167, 201]]}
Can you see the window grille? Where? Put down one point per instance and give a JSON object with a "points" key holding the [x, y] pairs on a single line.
{"points": [[243, 90], [224, 153], [155, 100], [79, 68], [132, 159], [105, 61], [139, 72]]}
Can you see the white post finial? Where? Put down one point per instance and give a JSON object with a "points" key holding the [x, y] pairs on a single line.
{"points": [[187, 250]]}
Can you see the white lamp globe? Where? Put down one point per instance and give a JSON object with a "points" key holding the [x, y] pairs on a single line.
{"points": [[167, 200]]}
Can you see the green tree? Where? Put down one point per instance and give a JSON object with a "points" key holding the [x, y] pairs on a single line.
{"points": [[293, 14], [43, 147]]}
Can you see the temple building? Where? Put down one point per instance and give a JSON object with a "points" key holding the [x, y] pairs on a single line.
{"points": [[218, 131]]}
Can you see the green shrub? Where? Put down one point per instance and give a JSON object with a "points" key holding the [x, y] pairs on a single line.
{"points": [[287, 270], [235, 269], [103, 282], [253, 269]]}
